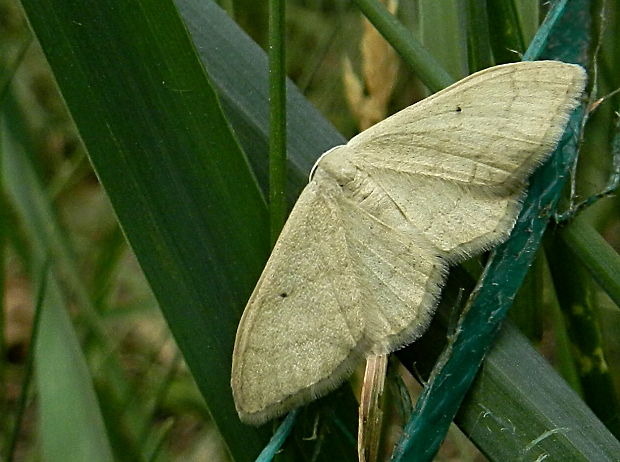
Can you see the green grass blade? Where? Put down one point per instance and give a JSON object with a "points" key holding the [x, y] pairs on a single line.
{"points": [[596, 254], [529, 17], [505, 29], [277, 119], [564, 358], [41, 226], [178, 182], [72, 427], [238, 69], [525, 311], [45, 233], [25, 387], [576, 293], [541, 419], [479, 54], [450, 46], [410, 50]]}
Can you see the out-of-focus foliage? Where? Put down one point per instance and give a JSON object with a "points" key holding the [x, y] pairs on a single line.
{"points": [[53, 205]]}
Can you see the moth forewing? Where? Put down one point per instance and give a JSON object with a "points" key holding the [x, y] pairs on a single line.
{"points": [[360, 263]]}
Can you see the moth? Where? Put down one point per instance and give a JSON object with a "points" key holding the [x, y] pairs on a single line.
{"points": [[359, 265]]}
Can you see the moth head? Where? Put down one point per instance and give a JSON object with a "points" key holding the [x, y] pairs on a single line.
{"points": [[329, 153], [335, 164]]}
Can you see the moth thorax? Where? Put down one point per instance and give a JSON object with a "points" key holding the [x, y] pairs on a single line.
{"points": [[336, 165]]}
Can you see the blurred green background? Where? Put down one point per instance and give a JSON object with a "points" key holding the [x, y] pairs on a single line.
{"points": [[145, 394]]}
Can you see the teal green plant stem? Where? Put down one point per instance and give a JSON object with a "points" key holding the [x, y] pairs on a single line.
{"points": [[478, 326], [277, 118], [409, 49], [539, 42], [612, 183], [23, 398], [482, 318], [278, 438], [601, 260]]}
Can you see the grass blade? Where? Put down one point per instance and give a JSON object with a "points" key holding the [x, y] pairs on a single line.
{"points": [[277, 118], [61, 372], [596, 254], [576, 291], [25, 387], [507, 39], [176, 177], [41, 225], [413, 53]]}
